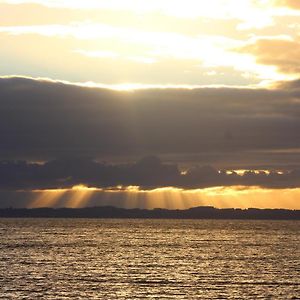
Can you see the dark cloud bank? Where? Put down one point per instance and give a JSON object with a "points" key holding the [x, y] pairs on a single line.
{"points": [[45, 120], [50, 121], [148, 173]]}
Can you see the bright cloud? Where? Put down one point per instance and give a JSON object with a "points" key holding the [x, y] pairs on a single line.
{"points": [[169, 37]]}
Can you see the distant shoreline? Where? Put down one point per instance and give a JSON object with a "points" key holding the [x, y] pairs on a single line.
{"points": [[202, 212]]}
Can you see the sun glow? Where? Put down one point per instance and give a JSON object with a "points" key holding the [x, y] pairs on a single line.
{"points": [[201, 43], [167, 197], [255, 12], [156, 47]]}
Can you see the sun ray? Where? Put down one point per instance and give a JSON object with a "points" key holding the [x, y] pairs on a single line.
{"points": [[46, 198], [167, 197]]}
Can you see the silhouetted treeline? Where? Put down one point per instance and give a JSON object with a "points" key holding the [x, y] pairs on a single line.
{"points": [[202, 212]]}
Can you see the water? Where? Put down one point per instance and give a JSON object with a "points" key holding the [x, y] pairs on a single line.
{"points": [[149, 259]]}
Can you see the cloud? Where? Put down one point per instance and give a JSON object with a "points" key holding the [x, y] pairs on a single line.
{"points": [[282, 53], [290, 3], [40, 120], [161, 43], [29, 14], [63, 62], [216, 9], [191, 38], [147, 173]]}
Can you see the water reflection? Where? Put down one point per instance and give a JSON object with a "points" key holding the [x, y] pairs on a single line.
{"points": [[149, 259]]}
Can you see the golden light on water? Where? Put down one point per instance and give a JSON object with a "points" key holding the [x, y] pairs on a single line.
{"points": [[167, 197]]}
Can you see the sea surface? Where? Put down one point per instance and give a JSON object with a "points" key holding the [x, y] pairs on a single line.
{"points": [[149, 259]]}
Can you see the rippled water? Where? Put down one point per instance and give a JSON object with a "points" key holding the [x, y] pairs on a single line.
{"points": [[148, 259]]}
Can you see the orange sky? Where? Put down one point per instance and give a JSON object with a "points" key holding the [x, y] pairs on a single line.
{"points": [[171, 198]]}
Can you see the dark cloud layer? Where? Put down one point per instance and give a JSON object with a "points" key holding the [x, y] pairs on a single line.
{"points": [[47, 120], [148, 173]]}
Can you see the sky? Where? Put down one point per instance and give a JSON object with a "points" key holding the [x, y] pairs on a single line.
{"points": [[150, 104]]}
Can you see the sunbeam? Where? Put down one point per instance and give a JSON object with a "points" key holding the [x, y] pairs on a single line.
{"points": [[167, 197]]}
